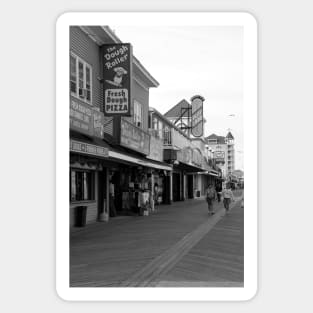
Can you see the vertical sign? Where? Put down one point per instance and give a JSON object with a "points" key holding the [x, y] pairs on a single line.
{"points": [[197, 116], [117, 78]]}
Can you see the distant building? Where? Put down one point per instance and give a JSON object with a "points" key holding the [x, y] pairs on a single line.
{"points": [[223, 149], [193, 171], [239, 177], [179, 115], [238, 173]]}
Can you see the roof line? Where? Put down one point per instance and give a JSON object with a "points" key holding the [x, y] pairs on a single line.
{"points": [[168, 121], [177, 104]]}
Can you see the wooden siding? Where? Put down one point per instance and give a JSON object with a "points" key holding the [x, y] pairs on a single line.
{"points": [[142, 96], [89, 51], [85, 48]]}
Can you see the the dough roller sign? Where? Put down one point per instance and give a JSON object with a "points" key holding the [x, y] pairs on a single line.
{"points": [[117, 77]]}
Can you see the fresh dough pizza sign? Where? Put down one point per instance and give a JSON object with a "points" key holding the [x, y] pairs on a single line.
{"points": [[117, 72]]}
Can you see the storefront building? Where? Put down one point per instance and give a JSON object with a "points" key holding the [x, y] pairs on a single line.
{"points": [[124, 165], [116, 167], [191, 170], [224, 152]]}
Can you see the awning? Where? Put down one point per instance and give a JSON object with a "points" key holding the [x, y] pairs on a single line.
{"points": [[99, 148], [86, 166], [213, 173], [189, 168], [139, 161]]}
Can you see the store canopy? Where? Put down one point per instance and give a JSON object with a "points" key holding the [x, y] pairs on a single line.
{"points": [[118, 156], [189, 168], [213, 174]]}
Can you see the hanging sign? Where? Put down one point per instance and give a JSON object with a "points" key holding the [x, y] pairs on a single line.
{"points": [[197, 116], [117, 78]]}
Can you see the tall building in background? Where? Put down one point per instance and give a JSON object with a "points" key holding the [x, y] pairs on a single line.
{"points": [[223, 150], [230, 142]]}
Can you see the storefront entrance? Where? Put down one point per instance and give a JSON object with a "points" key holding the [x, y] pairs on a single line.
{"points": [[132, 190], [166, 190], [190, 186], [102, 191], [176, 187]]}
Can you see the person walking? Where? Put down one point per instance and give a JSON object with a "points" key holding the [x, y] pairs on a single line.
{"points": [[228, 196], [218, 191], [210, 197]]}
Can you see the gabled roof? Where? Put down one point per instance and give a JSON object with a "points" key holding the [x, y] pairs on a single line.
{"points": [[176, 111], [212, 136], [219, 139], [229, 136], [165, 119]]}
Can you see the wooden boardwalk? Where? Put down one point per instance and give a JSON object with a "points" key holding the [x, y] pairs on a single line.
{"points": [[216, 261], [140, 251]]}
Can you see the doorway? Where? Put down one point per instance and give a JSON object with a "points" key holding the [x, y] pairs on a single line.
{"points": [[190, 186], [102, 189], [176, 186]]}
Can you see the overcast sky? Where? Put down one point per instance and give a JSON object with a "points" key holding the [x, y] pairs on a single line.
{"points": [[194, 60]]}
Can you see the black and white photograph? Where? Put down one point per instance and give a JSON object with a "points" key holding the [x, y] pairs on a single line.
{"points": [[149, 152], [156, 159]]}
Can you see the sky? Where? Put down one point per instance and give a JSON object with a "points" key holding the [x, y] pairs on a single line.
{"points": [[195, 60]]}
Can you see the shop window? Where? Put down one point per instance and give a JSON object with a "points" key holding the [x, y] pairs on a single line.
{"points": [[155, 123], [138, 116], [149, 121], [160, 129], [73, 83], [82, 185], [80, 78], [167, 140]]}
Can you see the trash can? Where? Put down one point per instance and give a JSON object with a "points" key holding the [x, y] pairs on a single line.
{"points": [[198, 193], [80, 216]]}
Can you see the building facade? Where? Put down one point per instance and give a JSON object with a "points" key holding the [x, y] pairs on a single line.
{"points": [[192, 172], [126, 165], [177, 152], [222, 150], [114, 160], [181, 116]]}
